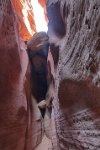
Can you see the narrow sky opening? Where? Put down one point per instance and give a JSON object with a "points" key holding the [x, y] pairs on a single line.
{"points": [[39, 18]]}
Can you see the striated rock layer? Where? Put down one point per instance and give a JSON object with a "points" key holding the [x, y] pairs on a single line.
{"points": [[74, 27]]}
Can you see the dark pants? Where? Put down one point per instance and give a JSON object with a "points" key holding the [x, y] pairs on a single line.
{"points": [[42, 110]]}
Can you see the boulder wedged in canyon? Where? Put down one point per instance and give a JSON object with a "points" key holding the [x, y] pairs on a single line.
{"points": [[74, 26]]}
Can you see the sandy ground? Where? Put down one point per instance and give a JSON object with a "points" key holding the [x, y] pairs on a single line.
{"points": [[45, 144]]}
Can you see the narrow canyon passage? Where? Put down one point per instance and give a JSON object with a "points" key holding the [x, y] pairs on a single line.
{"points": [[50, 80]]}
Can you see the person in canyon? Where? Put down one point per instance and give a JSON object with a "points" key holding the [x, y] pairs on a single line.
{"points": [[37, 48]]}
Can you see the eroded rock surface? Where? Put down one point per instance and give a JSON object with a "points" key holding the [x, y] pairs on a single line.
{"points": [[76, 103]]}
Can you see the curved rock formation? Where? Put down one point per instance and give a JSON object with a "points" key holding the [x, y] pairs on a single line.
{"points": [[19, 128], [74, 26]]}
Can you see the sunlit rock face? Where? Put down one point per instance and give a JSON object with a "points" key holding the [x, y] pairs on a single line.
{"points": [[76, 104]]}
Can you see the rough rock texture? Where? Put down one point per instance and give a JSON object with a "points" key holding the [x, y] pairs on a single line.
{"points": [[19, 127], [74, 26]]}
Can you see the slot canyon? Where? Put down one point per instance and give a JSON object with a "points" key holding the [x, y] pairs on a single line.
{"points": [[71, 67]]}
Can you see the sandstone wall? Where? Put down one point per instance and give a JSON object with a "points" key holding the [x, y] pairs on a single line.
{"points": [[74, 26], [19, 128]]}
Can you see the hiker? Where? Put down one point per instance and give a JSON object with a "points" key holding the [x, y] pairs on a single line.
{"points": [[38, 47]]}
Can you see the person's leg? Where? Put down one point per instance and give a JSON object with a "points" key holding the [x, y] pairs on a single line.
{"points": [[42, 110]]}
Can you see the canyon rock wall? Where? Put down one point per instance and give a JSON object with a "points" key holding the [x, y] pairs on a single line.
{"points": [[19, 127], [74, 27]]}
